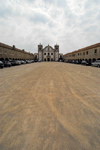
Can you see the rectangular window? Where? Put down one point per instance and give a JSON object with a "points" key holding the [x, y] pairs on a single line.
{"points": [[83, 53], [44, 53], [5, 52], [78, 54], [87, 53], [0, 50], [95, 51], [48, 53], [51, 53]]}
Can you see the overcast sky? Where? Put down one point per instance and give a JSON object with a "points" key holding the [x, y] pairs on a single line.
{"points": [[73, 24]]}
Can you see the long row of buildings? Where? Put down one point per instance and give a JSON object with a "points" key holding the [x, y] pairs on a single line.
{"points": [[90, 54], [11, 52]]}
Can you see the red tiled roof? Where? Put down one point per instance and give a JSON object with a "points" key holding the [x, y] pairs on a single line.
{"points": [[85, 48]]}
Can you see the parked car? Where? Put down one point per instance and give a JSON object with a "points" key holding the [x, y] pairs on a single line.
{"points": [[77, 62], [6, 63], [28, 61], [85, 63], [13, 62], [39, 60], [32, 61], [73, 61], [35, 60], [23, 62], [1, 64], [66, 61], [96, 63], [18, 62]]}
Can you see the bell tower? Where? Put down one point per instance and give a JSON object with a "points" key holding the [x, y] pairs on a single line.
{"points": [[57, 48], [40, 52], [56, 52]]}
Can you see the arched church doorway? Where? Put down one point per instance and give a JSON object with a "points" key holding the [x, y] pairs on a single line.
{"points": [[48, 59]]}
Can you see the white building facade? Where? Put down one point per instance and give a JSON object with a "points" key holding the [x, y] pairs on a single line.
{"points": [[48, 53]]}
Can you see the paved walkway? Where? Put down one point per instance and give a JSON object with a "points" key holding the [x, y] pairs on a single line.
{"points": [[50, 106]]}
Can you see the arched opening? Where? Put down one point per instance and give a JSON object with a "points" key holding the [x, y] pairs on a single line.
{"points": [[48, 59], [86, 60], [7, 59], [1, 59], [93, 60], [89, 61], [80, 61]]}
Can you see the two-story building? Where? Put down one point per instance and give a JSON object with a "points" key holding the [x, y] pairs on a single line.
{"points": [[89, 53], [11, 52]]}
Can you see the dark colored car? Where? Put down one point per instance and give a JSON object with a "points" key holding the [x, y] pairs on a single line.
{"points": [[35, 61], [7, 63], [66, 61], [1, 64]]}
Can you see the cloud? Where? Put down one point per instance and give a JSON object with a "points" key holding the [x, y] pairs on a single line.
{"points": [[71, 24]]}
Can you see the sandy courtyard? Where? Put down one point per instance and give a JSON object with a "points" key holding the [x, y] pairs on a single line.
{"points": [[50, 106]]}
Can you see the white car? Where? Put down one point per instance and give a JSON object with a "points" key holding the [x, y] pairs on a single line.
{"points": [[96, 63]]}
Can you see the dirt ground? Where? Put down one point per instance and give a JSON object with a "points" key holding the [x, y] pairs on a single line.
{"points": [[50, 106]]}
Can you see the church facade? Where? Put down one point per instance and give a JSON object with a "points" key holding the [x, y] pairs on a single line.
{"points": [[48, 53]]}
